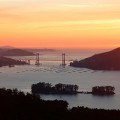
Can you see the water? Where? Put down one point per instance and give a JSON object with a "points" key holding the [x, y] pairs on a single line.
{"points": [[22, 77]]}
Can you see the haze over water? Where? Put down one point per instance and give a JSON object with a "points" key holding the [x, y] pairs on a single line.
{"points": [[22, 77]]}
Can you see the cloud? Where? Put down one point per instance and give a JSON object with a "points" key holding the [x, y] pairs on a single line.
{"points": [[10, 12], [94, 5], [75, 5], [8, 8]]}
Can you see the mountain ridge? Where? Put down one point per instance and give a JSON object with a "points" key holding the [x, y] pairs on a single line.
{"points": [[104, 61], [16, 52]]}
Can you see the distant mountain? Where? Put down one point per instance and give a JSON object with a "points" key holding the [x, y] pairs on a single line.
{"points": [[103, 61], [7, 47], [10, 62], [16, 52], [40, 50]]}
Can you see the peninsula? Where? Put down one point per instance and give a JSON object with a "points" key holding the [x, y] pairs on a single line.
{"points": [[10, 62], [103, 61]]}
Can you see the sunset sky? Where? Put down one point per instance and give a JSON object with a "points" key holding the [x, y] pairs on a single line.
{"points": [[60, 23]]}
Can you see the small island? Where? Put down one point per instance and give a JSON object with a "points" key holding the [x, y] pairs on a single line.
{"points": [[103, 61], [47, 88], [4, 61], [103, 90]]}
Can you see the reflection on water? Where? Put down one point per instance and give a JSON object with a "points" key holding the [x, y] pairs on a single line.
{"points": [[88, 100]]}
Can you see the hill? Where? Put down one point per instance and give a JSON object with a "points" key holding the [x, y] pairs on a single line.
{"points": [[103, 61], [10, 62], [16, 52], [7, 47], [16, 105]]}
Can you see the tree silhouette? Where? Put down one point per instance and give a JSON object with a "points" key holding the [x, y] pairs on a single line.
{"points": [[103, 90], [47, 88], [16, 105]]}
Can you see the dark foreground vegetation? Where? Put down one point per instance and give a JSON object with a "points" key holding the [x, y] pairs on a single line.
{"points": [[10, 62], [103, 90], [47, 88], [15, 105], [103, 61]]}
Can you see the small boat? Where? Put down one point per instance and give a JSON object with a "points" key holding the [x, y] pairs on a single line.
{"points": [[11, 65]]}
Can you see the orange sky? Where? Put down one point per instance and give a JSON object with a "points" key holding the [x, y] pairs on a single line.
{"points": [[60, 23]]}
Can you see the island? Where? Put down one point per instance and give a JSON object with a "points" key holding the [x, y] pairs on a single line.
{"points": [[103, 90], [10, 62], [47, 88], [103, 61], [16, 52]]}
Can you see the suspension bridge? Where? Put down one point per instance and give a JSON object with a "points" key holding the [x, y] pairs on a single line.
{"points": [[38, 61]]}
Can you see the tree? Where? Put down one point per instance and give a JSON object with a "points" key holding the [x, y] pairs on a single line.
{"points": [[76, 87]]}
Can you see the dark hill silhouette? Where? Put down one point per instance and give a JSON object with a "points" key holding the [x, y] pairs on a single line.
{"points": [[103, 61], [16, 52], [10, 62], [16, 105]]}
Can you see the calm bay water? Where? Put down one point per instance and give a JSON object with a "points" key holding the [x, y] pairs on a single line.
{"points": [[22, 77]]}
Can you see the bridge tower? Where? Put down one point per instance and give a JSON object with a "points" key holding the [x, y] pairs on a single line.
{"points": [[28, 61], [63, 59], [37, 59]]}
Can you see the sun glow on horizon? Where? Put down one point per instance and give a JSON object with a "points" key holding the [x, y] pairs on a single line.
{"points": [[71, 24]]}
